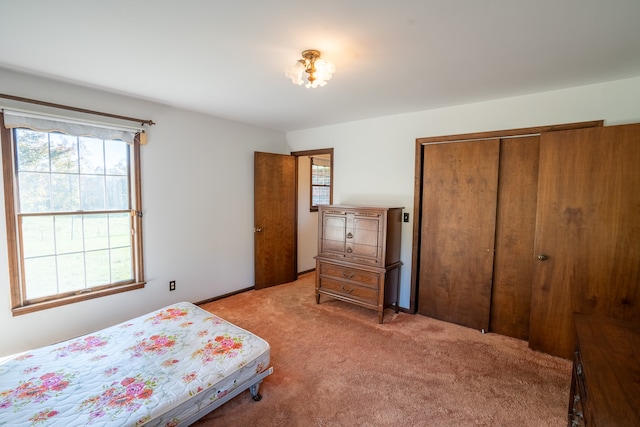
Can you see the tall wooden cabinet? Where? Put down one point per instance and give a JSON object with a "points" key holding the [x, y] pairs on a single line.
{"points": [[358, 257]]}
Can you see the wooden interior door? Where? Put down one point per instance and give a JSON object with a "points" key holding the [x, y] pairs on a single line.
{"points": [[587, 232], [275, 213], [459, 198]]}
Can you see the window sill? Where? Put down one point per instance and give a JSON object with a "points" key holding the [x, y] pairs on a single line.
{"points": [[31, 308]]}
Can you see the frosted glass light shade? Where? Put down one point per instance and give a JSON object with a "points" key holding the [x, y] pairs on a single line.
{"points": [[319, 70], [324, 72], [295, 73]]}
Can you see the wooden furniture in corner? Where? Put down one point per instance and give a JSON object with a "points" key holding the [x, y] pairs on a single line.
{"points": [[606, 373], [358, 257]]}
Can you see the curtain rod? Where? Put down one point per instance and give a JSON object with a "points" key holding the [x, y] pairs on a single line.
{"points": [[79, 110]]}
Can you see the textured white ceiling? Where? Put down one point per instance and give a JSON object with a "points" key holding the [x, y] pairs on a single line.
{"points": [[227, 58]]}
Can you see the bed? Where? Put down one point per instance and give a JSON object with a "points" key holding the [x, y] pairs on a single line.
{"points": [[167, 368]]}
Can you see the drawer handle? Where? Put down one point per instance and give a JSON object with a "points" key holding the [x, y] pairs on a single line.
{"points": [[347, 276], [347, 290], [349, 250], [349, 236]]}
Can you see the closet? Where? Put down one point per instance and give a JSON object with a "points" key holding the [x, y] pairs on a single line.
{"points": [[517, 230], [478, 196]]}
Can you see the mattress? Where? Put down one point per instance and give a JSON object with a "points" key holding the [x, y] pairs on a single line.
{"points": [[162, 368]]}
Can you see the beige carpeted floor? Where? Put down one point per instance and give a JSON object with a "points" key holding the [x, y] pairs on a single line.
{"points": [[334, 365]]}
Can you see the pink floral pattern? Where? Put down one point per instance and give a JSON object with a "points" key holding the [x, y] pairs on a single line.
{"points": [[155, 344], [36, 389], [88, 344], [43, 416], [127, 395], [220, 347], [168, 314]]}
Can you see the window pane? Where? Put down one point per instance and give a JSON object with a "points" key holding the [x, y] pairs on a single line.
{"points": [[38, 236], [71, 272], [65, 192], [321, 195], [120, 230], [321, 175], [32, 149], [121, 265], [96, 232], [116, 157], [91, 156], [69, 234], [92, 192], [98, 271], [40, 277], [35, 192], [64, 153], [117, 192]]}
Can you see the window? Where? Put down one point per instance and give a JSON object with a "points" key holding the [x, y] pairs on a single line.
{"points": [[321, 173], [73, 221]]}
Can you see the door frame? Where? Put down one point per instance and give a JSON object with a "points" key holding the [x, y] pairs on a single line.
{"points": [[418, 190]]}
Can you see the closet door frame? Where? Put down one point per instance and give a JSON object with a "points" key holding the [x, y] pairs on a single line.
{"points": [[418, 182]]}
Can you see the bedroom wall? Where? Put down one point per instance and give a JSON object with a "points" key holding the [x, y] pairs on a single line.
{"points": [[374, 159], [198, 213], [307, 221]]}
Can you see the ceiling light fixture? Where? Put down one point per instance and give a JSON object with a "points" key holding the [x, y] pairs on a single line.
{"points": [[319, 70]]}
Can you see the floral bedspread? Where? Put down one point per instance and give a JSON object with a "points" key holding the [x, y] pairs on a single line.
{"points": [[147, 371]]}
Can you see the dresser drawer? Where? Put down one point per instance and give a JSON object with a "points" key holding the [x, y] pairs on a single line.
{"points": [[348, 289], [362, 277]]}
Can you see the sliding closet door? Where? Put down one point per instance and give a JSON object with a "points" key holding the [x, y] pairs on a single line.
{"points": [[458, 231], [587, 232], [515, 232]]}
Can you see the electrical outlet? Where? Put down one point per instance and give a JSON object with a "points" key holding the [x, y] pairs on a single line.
{"points": [[172, 285], [406, 217]]}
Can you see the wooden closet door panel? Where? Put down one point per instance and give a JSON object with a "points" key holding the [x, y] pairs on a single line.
{"points": [[458, 229], [515, 232], [588, 226]]}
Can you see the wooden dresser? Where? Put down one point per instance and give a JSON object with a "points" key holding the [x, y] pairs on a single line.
{"points": [[359, 255], [605, 388]]}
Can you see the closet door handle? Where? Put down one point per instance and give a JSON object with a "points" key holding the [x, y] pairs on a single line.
{"points": [[542, 257]]}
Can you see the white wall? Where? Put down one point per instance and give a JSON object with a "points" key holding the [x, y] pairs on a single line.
{"points": [[374, 159], [197, 189], [307, 221]]}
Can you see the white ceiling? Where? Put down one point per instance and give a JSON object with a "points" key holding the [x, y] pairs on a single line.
{"points": [[227, 58]]}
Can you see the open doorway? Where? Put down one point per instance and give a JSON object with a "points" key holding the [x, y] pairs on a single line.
{"points": [[315, 186]]}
